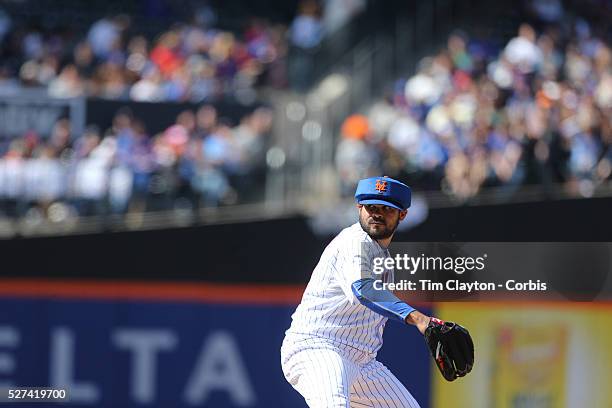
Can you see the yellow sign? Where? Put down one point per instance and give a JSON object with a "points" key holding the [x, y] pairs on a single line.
{"points": [[539, 356], [529, 368]]}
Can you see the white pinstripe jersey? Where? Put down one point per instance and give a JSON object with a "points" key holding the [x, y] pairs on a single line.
{"points": [[329, 310]]}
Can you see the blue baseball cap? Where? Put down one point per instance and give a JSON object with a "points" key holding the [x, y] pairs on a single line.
{"points": [[383, 190]]}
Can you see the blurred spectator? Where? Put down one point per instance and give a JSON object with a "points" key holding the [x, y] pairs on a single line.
{"points": [[306, 29], [67, 85], [90, 177], [522, 51], [44, 177], [84, 59], [250, 144], [355, 156], [206, 118], [105, 35], [12, 167], [219, 160], [148, 88], [305, 34]]}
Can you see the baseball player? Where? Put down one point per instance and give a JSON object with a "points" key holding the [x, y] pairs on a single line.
{"points": [[329, 352]]}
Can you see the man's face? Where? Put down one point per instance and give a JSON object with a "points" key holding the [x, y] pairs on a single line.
{"points": [[379, 221]]}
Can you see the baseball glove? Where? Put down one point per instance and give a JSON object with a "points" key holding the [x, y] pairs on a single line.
{"points": [[451, 347]]}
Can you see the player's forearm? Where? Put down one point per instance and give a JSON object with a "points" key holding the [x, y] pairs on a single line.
{"points": [[382, 302]]}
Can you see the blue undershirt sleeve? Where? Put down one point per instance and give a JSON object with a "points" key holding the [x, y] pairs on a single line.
{"points": [[380, 301]]}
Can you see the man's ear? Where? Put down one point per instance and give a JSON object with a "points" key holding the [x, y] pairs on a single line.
{"points": [[402, 214]]}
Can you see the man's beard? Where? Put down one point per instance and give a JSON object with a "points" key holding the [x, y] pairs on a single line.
{"points": [[383, 234]]}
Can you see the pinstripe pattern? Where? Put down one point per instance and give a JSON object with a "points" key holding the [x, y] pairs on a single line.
{"points": [[329, 376], [328, 308], [329, 352], [383, 389]]}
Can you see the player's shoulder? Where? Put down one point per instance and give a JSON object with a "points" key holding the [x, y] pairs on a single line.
{"points": [[353, 238], [352, 233]]}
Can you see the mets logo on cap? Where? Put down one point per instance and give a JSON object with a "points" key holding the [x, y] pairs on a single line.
{"points": [[381, 186], [383, 190]]}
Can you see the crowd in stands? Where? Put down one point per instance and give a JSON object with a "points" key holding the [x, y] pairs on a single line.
{"points": [[201, 160], [190, 61], [538, 110]]}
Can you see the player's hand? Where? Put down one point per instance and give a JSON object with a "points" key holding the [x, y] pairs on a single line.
{"points": [[452, 348]]}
